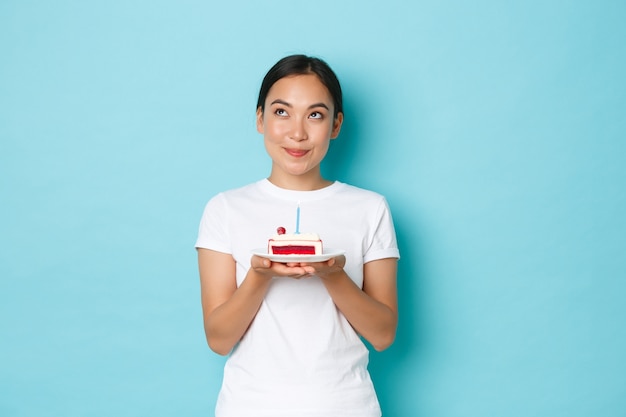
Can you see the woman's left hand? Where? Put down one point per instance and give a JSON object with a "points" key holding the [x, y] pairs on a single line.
{"points": [[322, 269]]}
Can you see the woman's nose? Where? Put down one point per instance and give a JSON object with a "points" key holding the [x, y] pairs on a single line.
{"points": [[298, 131]]}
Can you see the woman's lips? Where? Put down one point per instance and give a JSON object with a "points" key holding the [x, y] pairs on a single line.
{"points": [[296, 153]]}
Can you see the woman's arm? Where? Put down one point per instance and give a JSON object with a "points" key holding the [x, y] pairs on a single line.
{"points": [[373, 311], [227, 309]]}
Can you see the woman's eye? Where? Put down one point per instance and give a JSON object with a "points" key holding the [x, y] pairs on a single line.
{"points": [[280, 112], [316, 115]]}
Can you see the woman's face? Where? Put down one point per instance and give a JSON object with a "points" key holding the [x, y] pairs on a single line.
{"points": [[297, 125]]}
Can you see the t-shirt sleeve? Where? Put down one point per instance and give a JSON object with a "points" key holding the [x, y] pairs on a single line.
{"points": [[383, 242], [213, 231]]}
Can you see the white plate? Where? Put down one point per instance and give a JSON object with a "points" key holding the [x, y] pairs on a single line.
{"points": [[328, 253]]}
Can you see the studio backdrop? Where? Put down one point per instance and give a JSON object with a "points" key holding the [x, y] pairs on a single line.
{"points": [[496, 131]]}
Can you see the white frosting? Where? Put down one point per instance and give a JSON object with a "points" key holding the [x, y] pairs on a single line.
{"points": [[297, 236]]}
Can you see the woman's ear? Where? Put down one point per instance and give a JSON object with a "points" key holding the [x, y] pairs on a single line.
{"points": [[259, 120], [336, 125]]}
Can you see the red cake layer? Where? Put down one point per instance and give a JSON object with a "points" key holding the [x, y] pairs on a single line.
{"points": [[293, 250]]}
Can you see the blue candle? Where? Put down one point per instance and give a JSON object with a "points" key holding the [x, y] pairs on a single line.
{"points": [[298, 219]]}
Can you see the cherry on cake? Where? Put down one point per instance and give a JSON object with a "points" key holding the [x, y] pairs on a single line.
{"points": [[294, 243]]}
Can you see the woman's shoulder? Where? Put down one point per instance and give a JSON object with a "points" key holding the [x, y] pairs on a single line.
{"points": [[222, 200]]}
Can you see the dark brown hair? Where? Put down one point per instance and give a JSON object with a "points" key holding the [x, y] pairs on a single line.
{"points": [[300, 65]]}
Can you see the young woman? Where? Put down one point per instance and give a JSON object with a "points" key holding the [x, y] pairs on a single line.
{"points": [[293, 330]]}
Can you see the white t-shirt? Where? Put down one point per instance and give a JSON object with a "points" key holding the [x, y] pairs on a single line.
{"points": [[300, 357]]}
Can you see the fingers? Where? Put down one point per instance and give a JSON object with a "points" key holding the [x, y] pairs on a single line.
{"points": [[272, 269], [296, 270], [258, 262]]}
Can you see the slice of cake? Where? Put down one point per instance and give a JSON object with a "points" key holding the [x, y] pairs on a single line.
{"points": [[294, 243]]}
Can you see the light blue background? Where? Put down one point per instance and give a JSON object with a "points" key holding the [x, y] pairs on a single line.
{"points": [[496, 130]]}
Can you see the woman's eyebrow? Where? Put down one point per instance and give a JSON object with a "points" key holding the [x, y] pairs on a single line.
{"points": [[319, 105], [286, 104], [279, 101]]}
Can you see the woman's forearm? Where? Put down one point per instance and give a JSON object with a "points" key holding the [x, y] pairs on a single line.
{"points": [[372, 319], [226, 324]]}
